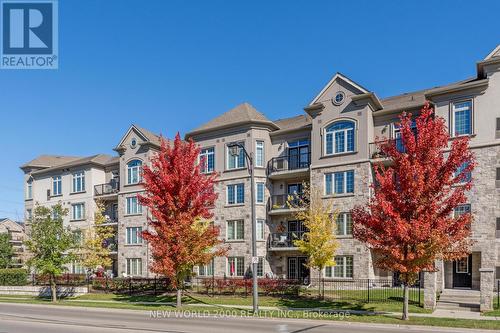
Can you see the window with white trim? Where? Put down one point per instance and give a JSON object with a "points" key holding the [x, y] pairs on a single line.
{"points": [[56, 185], [134, 266], [259, 154], [461, 209], [339, 182], [134, 172], [207, 158], [78, 182], [236, 266], [339, 137], [260, 197], [29, 189], [78, 211], [235, 161], [461, 115], [260, 229], [343, 268], [206, 270], [235, 194], [235, 230], [133, 206], [260, 267], [344, 224], [134, 235], [467, 175]]}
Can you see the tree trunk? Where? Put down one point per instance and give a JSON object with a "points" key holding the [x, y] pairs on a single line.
{"points": [[405, 301], [179, 297], [53, 288]]}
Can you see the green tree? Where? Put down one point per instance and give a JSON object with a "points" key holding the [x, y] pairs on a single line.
{"points": [[94, 252], [319, 242], [51, 244], [6, 251]]}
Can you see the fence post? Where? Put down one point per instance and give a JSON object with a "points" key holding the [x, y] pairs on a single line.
{"points": [[155, 285], [498, 294], [419, 290], [130, 286], [368, 290]]}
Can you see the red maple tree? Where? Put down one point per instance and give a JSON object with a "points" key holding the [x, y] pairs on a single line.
{"points": [[409, 222], [180, 198]]}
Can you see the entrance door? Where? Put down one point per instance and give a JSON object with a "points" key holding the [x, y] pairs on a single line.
{"points": [[297, 269], [462, 273]]}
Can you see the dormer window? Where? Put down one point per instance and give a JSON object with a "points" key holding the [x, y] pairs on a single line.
{"points": [[339, 137]]}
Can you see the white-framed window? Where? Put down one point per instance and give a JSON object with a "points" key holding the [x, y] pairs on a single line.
{"points": [[207, 158], [206, 270], [236, 266], [339, 137], [235, 230], [134, 266], [29, 189], [260, 197], [133, 206], [344, 224], [235, 161], [339, 182], [78, 182], [134, 172], [260, 229], [342, 269], [134, 235], [260, 267], [78, 211], [56, 185], [396, 135], [235, 194], [77, 268], [259, 154], [461, 116], [78, 235], [29, 214], [461, 209]]}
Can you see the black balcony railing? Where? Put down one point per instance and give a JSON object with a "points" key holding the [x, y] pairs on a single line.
{"points": [[107, 188], [289, 162], [284, 239], [281, 201]]}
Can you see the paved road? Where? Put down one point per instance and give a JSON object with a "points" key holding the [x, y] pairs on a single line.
{"points": [[24, 318]]}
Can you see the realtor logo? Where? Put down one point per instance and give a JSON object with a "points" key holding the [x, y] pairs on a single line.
{"points": [[29, 34]]}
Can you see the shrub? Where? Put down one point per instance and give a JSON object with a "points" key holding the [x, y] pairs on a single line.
{"points": [[13, 277]]}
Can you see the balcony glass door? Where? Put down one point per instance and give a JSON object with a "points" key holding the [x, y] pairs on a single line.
{"points": [[298, 154]]}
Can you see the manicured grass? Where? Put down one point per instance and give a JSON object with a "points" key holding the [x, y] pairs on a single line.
{"points": [[295, 302], [381, 319]]}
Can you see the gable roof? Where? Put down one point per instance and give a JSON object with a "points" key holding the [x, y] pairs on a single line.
{"points": [[47, 161], [5, 222], [146, 136], [342, 77], [241, 114], [99, 160], [493, 54]]}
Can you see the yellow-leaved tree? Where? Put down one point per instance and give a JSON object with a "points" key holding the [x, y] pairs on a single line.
{"points": [[319, 241], [95, 250]]}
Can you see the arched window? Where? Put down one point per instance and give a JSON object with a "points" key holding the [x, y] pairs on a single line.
{"points": [[134, 169], [339, 137]]}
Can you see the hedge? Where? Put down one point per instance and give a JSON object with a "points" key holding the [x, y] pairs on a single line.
{"points": [[13, 277]]}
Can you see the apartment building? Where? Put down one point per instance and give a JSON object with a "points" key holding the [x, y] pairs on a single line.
{"points": [[16, 237], [331, 146]]}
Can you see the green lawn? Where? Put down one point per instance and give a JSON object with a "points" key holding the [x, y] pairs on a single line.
{"points": [[496, 309], [91, 301]]}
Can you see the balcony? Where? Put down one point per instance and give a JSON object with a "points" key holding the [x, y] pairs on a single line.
{"points": [[112, 245], [283, 241], [289, 165], [113, 187], [279, 203]]}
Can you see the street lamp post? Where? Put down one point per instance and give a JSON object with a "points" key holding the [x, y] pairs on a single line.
{"points": [[234, 151]]}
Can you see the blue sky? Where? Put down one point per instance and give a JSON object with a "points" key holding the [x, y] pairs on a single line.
{"points": [[172, 65]]}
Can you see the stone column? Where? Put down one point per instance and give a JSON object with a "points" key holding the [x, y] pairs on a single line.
{"points": [[487, 281], [430, 289]]}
